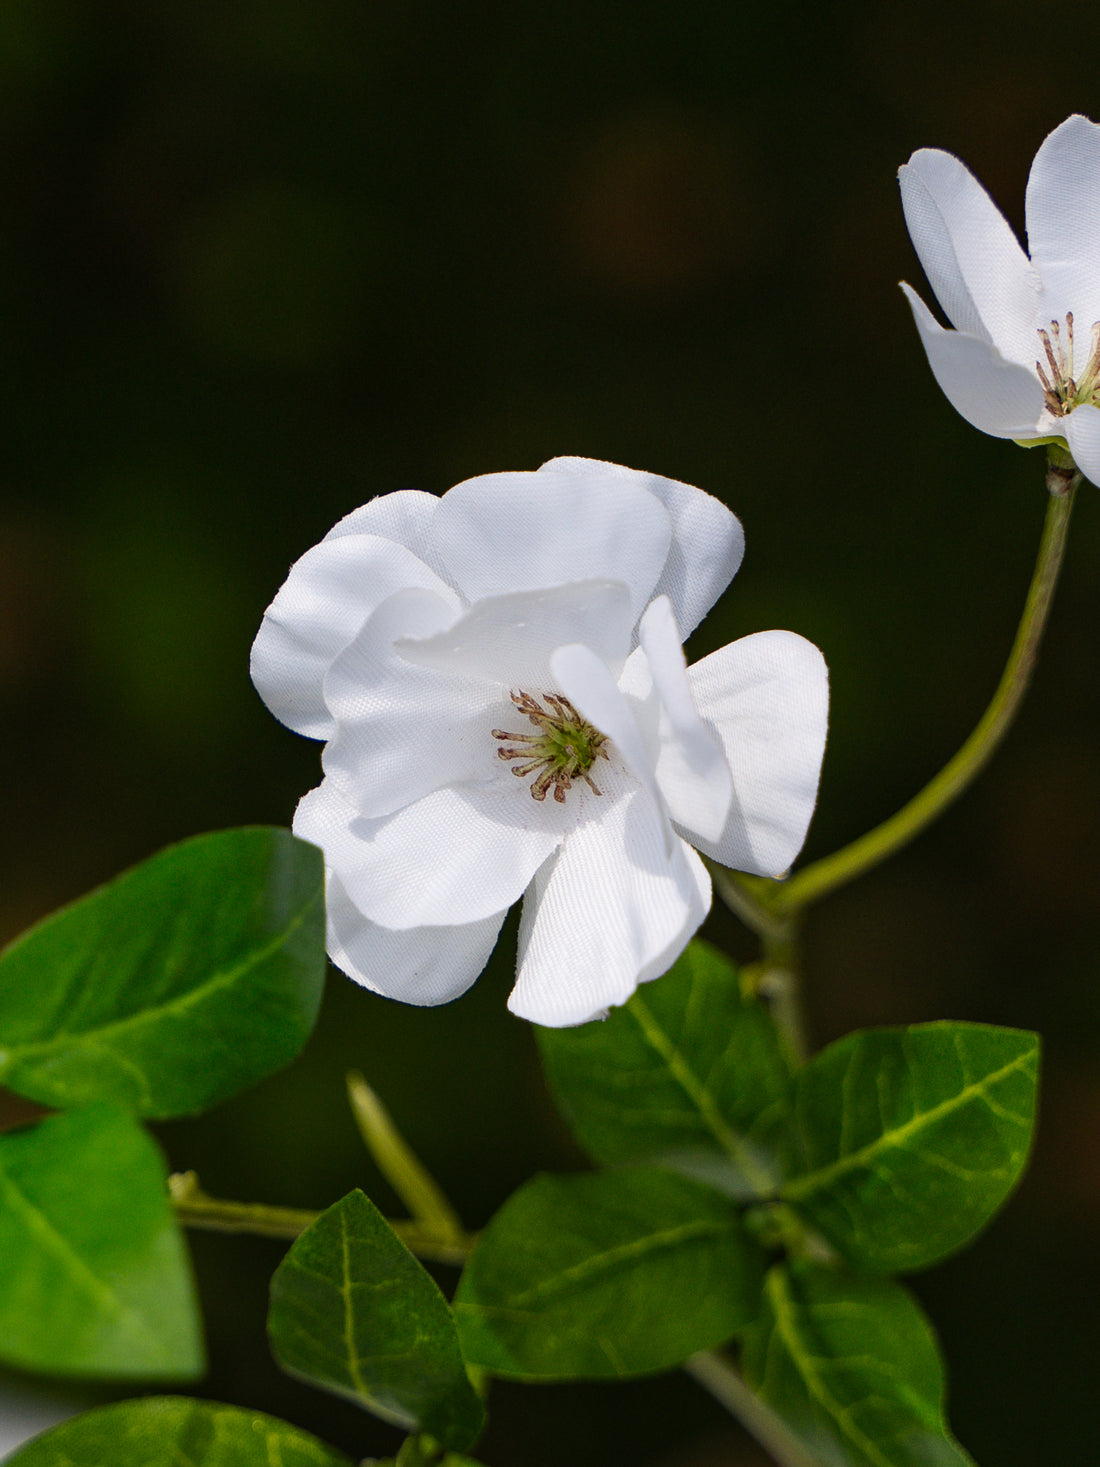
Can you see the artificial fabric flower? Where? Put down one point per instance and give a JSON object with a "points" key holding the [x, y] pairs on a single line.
{"points": [[498, 677], [1024, 359]]}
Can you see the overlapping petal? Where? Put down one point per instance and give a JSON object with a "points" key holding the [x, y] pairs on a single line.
{"points": [[610, 910], [707, 545], [1001, 398], [320, 607], [1063, 221], [973, 261], [403, 731], [766, 697], [1082, 432], [521, 531], [460, 854], [691, 767], [422, 965]]}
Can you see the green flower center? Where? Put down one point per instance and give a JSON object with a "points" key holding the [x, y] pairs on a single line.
{"points": [[1062, 389], [564, 749]]}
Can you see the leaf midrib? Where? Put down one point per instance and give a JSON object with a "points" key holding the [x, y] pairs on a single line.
{"points": [[797, 1188]]}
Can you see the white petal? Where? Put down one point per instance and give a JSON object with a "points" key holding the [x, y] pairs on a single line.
{"points": [[691, 769], [707, 546], [519, 531], [404, 731], [611, 910], [1082, 430], [1063, 222], [767, 698], [973, 261], [404, 516], [590, 687], [998, 397], [424, 965], [509, 638], [455, 856], [321, 605]]}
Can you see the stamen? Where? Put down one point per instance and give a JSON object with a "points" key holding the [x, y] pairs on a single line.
{"points": [[564, 749], [1062, 391]]}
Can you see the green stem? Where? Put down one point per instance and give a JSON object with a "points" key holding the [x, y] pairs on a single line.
{"points": [[717, 1375], [196, 1209], [832, 871]]}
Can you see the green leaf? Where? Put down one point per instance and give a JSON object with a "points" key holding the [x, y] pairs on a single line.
{"points": [[179, 983], [94, 1277], [606, 1275], [163, 1430], [907, 1141], [354, 1312], [852, 1366], [688, 1075]]}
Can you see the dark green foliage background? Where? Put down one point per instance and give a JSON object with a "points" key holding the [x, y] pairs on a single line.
{"points": [[261, 262]]}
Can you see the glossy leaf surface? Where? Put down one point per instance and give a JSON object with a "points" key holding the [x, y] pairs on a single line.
{"points": [[907, 1141], [688, 1074], [354, 1312], [606, 1275], [852, 1366], [173, 1431], [179, 983], [94, 1276]]}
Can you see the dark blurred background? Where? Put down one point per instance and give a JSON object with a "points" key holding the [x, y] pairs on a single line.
{"points": [[260, 262]]}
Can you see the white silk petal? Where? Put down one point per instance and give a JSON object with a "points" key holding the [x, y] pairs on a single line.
{"points": [[692, 772], [509, 639], [522, 531], [997, 396], [1063, 224], [707, 546], [404, 516], [1082, 431], [587, 683], [456, 856], [320, 607], [767, 698], [422, 965], [404, 731], [982, 278], [612, 909]]}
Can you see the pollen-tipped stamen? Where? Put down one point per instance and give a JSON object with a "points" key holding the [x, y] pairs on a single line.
{"points": [[564, 749]]}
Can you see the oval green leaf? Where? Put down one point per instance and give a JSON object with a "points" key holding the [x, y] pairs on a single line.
{"points": [[907, 1141], [94, 1276], [354, 1312], [606, 1275], [176, 985], [688, 1074], [173, 1429], [853, 1368]]}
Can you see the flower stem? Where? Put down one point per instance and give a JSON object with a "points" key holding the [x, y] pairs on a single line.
{"points": [[717, 1375], [832, 871], [196, 1209]]}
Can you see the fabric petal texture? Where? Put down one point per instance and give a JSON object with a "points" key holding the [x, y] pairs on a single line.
{"points": [[507, 713], [767, 698]]}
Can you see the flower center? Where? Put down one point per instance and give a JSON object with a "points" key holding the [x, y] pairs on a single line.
{"points": [[1062, 390], [564, 749]]}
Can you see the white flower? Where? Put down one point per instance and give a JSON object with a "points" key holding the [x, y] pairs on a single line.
{"points": [[1024, 359], [529, 624]]}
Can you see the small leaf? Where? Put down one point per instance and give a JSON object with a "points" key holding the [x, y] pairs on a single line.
{"points": [[852, 1366], [94, 1277], [163, 1430], [907, 1141], [354, 1312], [688, 1075], [176, 985], [606, 1275]]}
